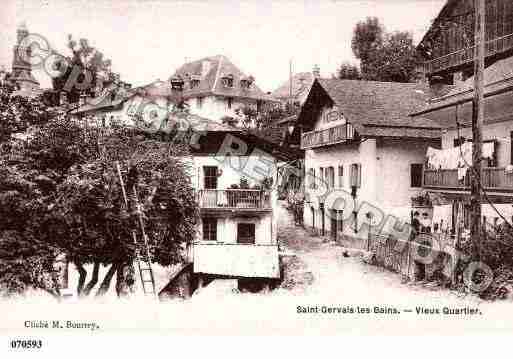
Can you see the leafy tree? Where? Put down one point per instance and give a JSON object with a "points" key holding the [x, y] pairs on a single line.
{"points": [[26, 255], [18, 113], [384, 56], [84, 58], [367, 38], [99, 226], [60, 194], [348, 71], [395, 60]]}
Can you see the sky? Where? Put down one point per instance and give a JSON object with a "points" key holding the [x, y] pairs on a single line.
{"points": [[148, 39]]}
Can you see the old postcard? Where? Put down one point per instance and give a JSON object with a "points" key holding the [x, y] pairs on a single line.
{"points": [[259, 167]]}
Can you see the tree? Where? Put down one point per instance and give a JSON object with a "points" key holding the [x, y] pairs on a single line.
{"points": [[99, 227], [17, 113], [348, 71], [395, 60], [59, 194], [367, 38], [26, 255], [84, 59], [384, 56]]}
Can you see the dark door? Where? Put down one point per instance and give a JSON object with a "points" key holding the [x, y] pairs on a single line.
{"points": [[246, 233]]}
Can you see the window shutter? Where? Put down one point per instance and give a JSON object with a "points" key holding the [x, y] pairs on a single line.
{"points": [[356, 176]]}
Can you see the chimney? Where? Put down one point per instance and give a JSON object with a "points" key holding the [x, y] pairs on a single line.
{"points": [[316, 71]]}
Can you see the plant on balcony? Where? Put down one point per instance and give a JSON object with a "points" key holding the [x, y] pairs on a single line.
{"points": [[422, 200]]}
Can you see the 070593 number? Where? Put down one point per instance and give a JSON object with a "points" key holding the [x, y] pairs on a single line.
{"points": [[26, 344]]}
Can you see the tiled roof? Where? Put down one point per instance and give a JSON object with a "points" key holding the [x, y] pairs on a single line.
{"points": [[496, 77], [379, 103], [209, 72], [151, 91], [301, 84]]}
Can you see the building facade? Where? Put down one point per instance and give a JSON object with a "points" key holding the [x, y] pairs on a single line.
{"points": [[360, 144], [216, 89]]}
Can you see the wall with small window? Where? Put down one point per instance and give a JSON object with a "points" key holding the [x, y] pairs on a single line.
{"points": [[217, 107], [209, 172], [380, 168], [236, 230]]}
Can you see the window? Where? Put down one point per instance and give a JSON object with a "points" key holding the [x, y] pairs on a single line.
{"points": [[311, 178], [199, 102], [229, 102], [416, 175], [209, 229], [330, 177], [227, 80], [259, 106], [321, 176], [210, 177], [356, 175], [246, 233], [341, 176], [194, 83]]}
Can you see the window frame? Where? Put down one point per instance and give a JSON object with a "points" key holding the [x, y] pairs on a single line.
{"points": [[340, 176], [418, 177], [252, 233], [209, 228], [210, 176], [356, 175]]}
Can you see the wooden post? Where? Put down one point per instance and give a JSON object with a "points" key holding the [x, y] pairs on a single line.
{"points": [[477, 121]]}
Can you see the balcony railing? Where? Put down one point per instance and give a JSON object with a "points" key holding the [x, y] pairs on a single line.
{"points": [[327, 136], [244, 260], [492, 178], [234, 198], [466, 55]]}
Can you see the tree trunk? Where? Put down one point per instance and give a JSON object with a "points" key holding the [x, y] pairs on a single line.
{"points": [[125, 280], [93, 281], [104, 287], [81, 279]]}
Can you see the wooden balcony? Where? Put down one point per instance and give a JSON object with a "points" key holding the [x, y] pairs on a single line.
{"points": [[492, 178], [466, 55], [326, 137], [235, 199], [239, 260]]}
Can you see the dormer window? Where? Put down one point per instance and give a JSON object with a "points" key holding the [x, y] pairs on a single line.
{"points": [[177, 83], [246, 82], [194, 81], [227, 80]]}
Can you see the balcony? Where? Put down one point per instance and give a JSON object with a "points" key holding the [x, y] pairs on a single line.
{"points": [[466, 55], [492, 178], [329, 136], [235, 199], [240, 260]]}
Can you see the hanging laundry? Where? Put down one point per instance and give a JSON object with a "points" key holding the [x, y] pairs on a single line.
{"points": [[455, 157]]}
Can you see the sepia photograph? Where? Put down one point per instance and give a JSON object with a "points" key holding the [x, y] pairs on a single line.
{"points": [[255, 168]]}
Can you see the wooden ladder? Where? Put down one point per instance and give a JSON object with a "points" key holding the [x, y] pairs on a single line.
{"points": [[144, 260]]}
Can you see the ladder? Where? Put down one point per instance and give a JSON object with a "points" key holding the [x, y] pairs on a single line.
{"points": [[144, 260]]}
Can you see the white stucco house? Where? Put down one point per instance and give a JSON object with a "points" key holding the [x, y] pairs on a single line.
{"points": [[359, 142], [215, 88]]}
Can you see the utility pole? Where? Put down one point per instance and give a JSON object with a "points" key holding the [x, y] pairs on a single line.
{"points": [[290, 83], [477, 122]]}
